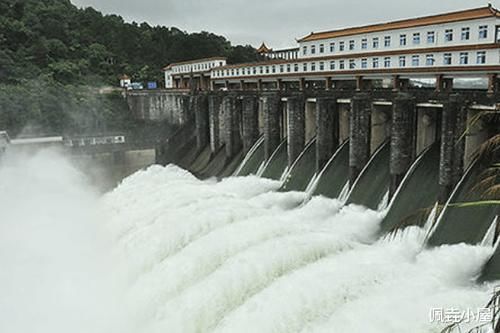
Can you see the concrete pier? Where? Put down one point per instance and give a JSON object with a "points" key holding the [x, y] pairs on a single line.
{"points": [[360, 125], [327, 135], [452, 145], [403, 142], [296, 127], [200, 105], [231, 107], [271, 106], [214, 107], [249, 121]]}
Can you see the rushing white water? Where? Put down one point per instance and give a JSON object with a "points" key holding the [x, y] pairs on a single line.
{"points": [[166, 252], [57, 270]]}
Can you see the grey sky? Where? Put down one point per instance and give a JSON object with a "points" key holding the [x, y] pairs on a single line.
{"points": [[277, 23]]}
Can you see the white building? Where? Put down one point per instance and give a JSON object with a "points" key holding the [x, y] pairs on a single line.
{"points": [[177, 75], [125, 81], [464, 42], [287, 54]]}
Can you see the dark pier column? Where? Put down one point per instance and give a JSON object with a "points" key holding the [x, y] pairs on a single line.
{"points": [[443, 84], [279, 84], [327, 130], [302, 84], [328, 83], [452, 145], [359, 133], [403, 134], [231, 106], [214, 112], [296, 127], [492, 84], [201, 121], [250, 121], [187, 108], [271, 105]]}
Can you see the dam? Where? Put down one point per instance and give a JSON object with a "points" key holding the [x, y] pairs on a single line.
{"points": [[349, 184], [405, 142]]}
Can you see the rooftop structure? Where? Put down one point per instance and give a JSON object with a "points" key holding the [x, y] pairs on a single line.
{"points": [[461, 43], [199, 68]]}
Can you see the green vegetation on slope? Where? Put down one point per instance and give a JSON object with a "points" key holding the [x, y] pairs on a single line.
{"points": [[50, 51]]}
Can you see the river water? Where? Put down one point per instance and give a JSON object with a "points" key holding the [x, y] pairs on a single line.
{"points": [[166, 252]]}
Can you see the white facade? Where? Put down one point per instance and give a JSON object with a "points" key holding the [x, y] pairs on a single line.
{"points": [[125, 82], [471, 44], [286, 54], [333, 46], [185, 68]]}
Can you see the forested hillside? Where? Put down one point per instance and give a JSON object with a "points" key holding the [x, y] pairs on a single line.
{"points": [[51, 52]]}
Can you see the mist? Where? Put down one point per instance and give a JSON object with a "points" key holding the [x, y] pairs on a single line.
{"points": [[59, 273], [167, 252]]}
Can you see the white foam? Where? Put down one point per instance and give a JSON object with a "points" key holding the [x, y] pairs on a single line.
{"points": [[197, 256]]}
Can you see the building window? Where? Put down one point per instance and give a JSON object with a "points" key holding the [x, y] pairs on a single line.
{"points": [[254, 70], [481, 57], [351, 45], [313, 67], [465, 33], [364, 43], [364, 63], [375, 63], [416, 38], [387, 62], [296, 67], [321, 66], [304, 67], [273, 69], [282, 68], [375, 43], [402, 40], [332, 65], [313, 49], [429, 60], [332, 47], [341, 64], [464, 58], [483, 31], [341, 46], [321, 48], [431, 37], [415, 61], [261, 70], [304, 50], [232, 72], [352, 64], [387, 41], [267, 69], [402, 61], [448, 35], [237, 72], [447, 59]]}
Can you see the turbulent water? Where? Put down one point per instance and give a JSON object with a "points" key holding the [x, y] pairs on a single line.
{"points": [[166, 252]]}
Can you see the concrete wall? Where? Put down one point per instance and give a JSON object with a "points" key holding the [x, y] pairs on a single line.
{"points": [[310, 121], [159, 105], [427, 127], [381, 126], [344, 120]]}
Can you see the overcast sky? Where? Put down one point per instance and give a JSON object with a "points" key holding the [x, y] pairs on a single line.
{"points": [[277, 23]]}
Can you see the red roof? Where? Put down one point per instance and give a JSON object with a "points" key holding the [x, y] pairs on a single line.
{"points": [[463, 15], [263, 48]]}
